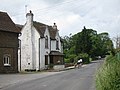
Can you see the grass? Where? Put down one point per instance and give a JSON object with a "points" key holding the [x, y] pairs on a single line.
{"points": [[108, 76]]}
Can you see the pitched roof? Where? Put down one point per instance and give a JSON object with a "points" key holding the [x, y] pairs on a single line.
{"points": [[19, 26], [6, 24], [41, 29], [56, 53], [52, 32]]}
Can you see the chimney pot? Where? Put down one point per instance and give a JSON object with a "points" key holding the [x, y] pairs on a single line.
{"points": [[30, 11], [54, 26], [29, 17]]}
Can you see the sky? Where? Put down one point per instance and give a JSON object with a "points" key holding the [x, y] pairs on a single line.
{"points": [[69, 15]]}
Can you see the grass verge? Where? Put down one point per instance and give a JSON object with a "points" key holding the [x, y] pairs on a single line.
{"points": [[108, 76]]}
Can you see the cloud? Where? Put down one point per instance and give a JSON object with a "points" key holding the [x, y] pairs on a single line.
{"points": [[53, 1], [67, 24], [70, 15]]}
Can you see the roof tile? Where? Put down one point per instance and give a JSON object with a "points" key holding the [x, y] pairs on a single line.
{"points": [[6, 24], [41, 29]]}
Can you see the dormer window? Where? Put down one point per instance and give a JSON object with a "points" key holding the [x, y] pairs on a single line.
{"points": [[57, 45], [46, 42]]}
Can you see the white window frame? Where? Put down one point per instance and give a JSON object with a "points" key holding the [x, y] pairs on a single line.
{"points": [[46, 42], [6, 60]]}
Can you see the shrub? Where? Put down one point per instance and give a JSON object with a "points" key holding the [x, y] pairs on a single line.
{"points": [[83, 56], [108, 76], [67, 60], [50, 66], [70, 59]]}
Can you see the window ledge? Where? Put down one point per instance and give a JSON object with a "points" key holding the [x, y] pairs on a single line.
{"points": [[7, 65]]}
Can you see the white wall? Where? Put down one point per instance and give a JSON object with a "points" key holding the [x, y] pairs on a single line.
{"points": [[26, 51], [35, 48], [58, 39], [18, 59], [44, 51], [33, 51], [53, 43], [42, 55], [47, 50], [30, 48]]}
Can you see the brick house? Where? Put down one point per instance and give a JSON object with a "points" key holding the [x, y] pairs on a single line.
{"points": [[8, 44]]}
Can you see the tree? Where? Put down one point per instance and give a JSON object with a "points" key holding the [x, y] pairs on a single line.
{"points": [[106, 42], [84, 41], [89, 42]]}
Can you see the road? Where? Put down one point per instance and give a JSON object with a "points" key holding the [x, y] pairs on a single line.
{"points": [[74, 79]]}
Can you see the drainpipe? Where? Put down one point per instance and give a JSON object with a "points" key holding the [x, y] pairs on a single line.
{"points": [[20, 49], [20, 55], [39, 53], [50, 51], [50, 44]]}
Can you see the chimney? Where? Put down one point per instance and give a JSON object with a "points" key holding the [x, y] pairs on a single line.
{"points": [[55, 26], [29, 17]]}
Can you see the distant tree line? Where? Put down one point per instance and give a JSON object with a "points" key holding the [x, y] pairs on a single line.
{"points": [[87, 44]]}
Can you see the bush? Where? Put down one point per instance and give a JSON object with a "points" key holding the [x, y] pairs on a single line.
{"points": [[67, 60], [84, 57], [50, 66], [108, 76], [70, 59]]}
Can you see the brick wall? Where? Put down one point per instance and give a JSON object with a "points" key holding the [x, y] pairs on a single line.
{"points": [[9, 45]]}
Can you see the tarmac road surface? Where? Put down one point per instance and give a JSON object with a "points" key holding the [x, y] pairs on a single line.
{"points": [[74, 79]]}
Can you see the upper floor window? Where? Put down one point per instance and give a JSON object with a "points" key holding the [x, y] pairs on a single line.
{"points": [[19, 45], [46, 42], [57, 45], [6, 60]]}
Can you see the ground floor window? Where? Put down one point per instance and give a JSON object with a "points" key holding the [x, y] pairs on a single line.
{"points": [[6, 60], [46, 59], [56, 59], [51, 60]]}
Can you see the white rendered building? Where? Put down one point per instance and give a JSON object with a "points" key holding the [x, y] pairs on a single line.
{"points": [[40, 45]]}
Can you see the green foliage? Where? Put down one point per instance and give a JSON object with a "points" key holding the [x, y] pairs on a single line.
{"points": [[84, 42], [106, 43], [67, 60], [50, 66], [89, 42], [84, 57], [70, 58], [108, 76]]}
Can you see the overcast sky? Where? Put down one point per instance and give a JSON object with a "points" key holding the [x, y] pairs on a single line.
{"points": [[69, 15]]}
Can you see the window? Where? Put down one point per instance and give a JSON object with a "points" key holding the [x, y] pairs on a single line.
{"points": [[6, 60], [46, 59], [57, 45], [19, 46], [46, 42], [51, 60]]}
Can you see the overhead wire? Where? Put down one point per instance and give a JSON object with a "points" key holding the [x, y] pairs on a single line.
{"points": [[54, 7], [41, 13]]}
